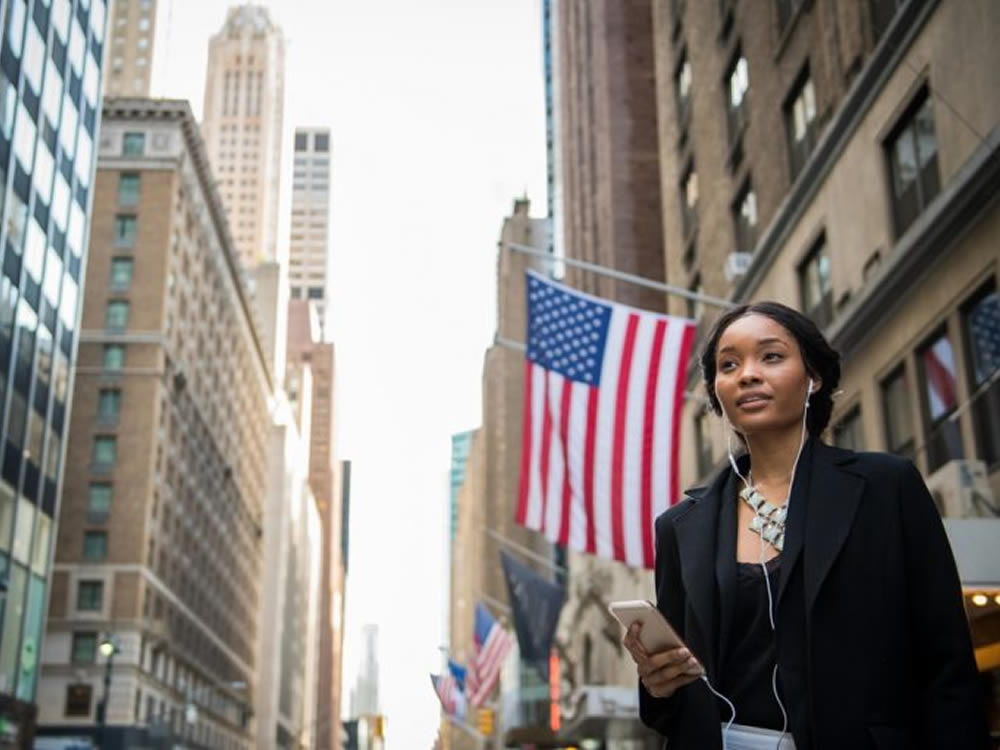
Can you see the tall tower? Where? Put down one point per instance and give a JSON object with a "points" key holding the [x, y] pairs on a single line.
{"points": [[242, 125], [129, 54], [310, 225]]}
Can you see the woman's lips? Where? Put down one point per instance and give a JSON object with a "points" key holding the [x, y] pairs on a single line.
{"points": [[755, 403]]}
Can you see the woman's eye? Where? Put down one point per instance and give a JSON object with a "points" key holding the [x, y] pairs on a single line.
{"points": [[772, 357], [727, 365]]}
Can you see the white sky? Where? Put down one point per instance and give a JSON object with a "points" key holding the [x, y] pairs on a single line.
{"points": [[437, 116]]}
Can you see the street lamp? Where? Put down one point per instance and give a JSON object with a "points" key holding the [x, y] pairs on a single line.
{"points": [[107, 648]]}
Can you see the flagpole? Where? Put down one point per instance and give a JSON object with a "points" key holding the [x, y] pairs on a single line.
{"points": [[517, 346], [623, 276], [556, 567]]}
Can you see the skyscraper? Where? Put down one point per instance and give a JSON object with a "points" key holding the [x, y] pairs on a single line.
{"points": [[242, 126], [50, 83], [364, 699], [128, 55], [159, 543], [310, 226]]}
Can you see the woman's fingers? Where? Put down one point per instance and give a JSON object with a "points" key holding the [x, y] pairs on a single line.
{"points": [[666, 688], [634, 645]]}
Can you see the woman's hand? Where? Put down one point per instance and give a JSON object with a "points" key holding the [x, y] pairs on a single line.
{"points": [[664, 672]]}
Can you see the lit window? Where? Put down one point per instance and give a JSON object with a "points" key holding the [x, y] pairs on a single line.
{"points": [[737, 90], [745, 219]]}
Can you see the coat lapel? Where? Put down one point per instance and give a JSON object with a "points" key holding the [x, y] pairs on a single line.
{"points": [[834, 495], [697, 543]]}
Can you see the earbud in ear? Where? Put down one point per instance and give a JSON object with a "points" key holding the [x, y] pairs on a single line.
{"points": [[810, 385]]}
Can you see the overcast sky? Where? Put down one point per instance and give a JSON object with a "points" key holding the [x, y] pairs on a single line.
{"points": [[437, 117]]}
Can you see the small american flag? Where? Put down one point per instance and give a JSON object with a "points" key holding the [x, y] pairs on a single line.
{"points": [[603, 390], [490, 646], [452, 700]]}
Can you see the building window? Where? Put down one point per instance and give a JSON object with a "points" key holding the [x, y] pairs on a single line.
{"points": [[815, 286], [682, 87], [703, 444], [117, 315], [109, 404], [78, 700], [128, 189], [737, 86], [133, 144], [315, 292], [125, 226], [981, 324], [121, 273], [301, 141], [689, 200], [745, 219], [84, 648], [95, 545], [912, 154], [847, 433], [114, 356], [89, 596], [105, 450], [896, 401], [98, 502], [800, 122], [321, 142], [937, 370]]}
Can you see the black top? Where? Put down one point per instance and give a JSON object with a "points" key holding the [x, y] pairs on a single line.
{"points": [[749, 662]]}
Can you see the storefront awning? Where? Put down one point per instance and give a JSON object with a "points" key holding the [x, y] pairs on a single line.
{"points": [[977, 553]]}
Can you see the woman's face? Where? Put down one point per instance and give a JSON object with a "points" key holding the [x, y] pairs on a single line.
{"points": [[760, 376]]}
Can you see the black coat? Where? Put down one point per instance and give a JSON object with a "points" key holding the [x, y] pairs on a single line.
{"points": [[873, 646]]}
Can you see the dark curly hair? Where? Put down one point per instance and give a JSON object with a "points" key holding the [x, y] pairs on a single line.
{"points": [[822, 361]]}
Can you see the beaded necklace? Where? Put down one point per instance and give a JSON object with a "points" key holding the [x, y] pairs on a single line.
{"points": [[768, 519]]}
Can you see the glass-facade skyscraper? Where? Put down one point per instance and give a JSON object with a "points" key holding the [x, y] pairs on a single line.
{"points": [[50, 84]]}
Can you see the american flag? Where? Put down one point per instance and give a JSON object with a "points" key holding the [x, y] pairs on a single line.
{"points": [[984, 326], [603, 389], [452, 700], [490, 646]]}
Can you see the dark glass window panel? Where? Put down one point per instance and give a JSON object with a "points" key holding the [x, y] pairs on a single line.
{"points": [[22, 183], [66, 167], [49, 498], [73, 264], [95, 545], [10, 64], [57, 50], [128, 189], [49, 134], [81, 196], [301, 141], [98, 502], [89, 595], [84, 648], [816, 287], [32, 293], [75, 87], [912, 153], [89, 118], [133, 144], [896, 399], [41, 211], [58, 240], [12, 265], [321, 142], [745, 219], [786, 9], [78, 700], [125, 230], [31, 479], [12, 463], [41, 17], [31, 100]]}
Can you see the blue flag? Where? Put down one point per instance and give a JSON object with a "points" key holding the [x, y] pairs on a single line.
{"points": [[458, 672], [535, 603]]}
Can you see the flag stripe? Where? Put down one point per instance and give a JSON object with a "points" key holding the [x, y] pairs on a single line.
{"points": [[546, 445], [579, 519], [647, 444], [564, 412], [632, 457], [522, 503], [618, 450], [686, 342], [534, 518], [589, 467]]}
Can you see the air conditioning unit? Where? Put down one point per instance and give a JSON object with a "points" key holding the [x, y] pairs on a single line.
{"points": [[737, 265], [961, 489]]}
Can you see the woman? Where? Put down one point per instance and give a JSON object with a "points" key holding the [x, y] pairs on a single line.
{"points": [[814, 587]]}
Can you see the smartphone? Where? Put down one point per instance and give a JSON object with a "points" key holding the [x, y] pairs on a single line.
{"points": [[656, 634]]}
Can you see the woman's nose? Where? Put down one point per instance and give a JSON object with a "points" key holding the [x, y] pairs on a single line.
{"points": [[748, 374]]}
